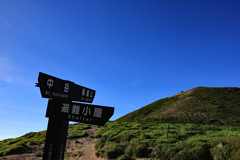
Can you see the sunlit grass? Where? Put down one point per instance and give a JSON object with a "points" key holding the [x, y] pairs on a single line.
{"points": [[20, 144], [185, 141]]}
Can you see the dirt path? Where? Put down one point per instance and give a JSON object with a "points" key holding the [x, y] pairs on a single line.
{"points": [[82, 148]]}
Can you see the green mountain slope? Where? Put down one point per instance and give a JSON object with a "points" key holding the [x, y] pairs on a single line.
{"points": [[201, 123], [23, 144], [198, 105]]}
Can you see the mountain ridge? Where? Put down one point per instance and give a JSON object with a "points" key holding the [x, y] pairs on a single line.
{"points": [[220, 105]]}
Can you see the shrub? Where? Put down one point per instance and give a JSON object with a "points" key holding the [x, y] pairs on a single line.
{"points": [[114, 150], [124, 157], [194, 153], [164, 152], [99, 144], [67, 154], [18, 148], [31, 143], [77, 134], [230, 149]]}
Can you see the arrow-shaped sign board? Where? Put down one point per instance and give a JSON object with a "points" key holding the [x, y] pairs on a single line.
{"points": [[78, 112], [52, 87]]}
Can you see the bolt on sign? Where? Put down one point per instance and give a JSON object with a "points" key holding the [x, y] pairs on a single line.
{"points": [[61, 110]]}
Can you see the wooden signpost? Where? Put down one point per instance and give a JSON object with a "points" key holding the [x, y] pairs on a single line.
{"points": [[61, 110]]}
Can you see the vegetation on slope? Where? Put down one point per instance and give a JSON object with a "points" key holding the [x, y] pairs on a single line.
{"points": [[131, 140], [76, 130], [22, 144], [199, 105], [204, 124]]}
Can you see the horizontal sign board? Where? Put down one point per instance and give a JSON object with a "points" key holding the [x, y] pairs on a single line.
{"points": [[78, 112], [52, 87]]}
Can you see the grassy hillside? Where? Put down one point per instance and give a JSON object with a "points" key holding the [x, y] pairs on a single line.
{"points": [[199, 124], [203, 124], [199, 105], [22, 144], [131, 140]]}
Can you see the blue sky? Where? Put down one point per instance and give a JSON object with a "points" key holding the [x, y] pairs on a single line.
{"points": [[132, 52]]}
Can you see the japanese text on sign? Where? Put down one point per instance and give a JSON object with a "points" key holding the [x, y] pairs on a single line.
{"points": [[84, 110]]}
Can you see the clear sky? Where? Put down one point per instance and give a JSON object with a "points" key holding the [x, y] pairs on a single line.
{"points": [[132, 52]]}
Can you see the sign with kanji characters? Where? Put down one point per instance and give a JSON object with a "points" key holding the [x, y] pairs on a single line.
{"points": [[52, 87], [78, 112], [61, 110]]}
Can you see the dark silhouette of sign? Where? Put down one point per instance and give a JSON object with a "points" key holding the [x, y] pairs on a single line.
{"points": [[55, 142], [61, 110], [52, 87], [78, 112]]}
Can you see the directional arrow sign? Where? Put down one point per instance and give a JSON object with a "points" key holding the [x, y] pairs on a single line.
{"points": [[78, 112], [52, 87]]}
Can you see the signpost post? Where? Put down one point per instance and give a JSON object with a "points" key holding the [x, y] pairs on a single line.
{"points": [[61, 110], [55, 139]]}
